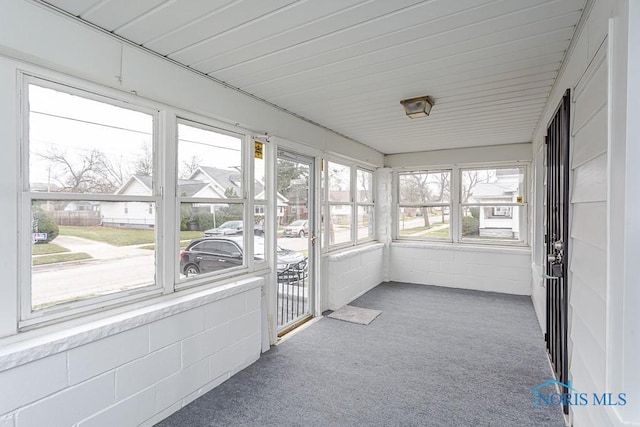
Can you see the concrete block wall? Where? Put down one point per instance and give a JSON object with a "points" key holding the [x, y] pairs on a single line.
{"points": [[352, 273], [504, 270], [138, 376]]}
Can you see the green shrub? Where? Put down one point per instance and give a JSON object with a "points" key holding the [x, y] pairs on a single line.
{"points": [[185, 217], [43, 224], [475, 212], [204, 220], [470, 226]]}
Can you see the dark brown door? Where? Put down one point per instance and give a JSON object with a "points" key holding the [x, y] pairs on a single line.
{"points": [[557, 238]]}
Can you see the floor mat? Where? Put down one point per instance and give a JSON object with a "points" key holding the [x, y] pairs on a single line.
{"points": [[349, 313]]}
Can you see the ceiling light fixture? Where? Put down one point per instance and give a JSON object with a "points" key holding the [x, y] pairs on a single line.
{"points": [[417, 107]]}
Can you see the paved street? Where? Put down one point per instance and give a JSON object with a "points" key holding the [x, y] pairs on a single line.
{"points": [[76, 280], [113, 268]]}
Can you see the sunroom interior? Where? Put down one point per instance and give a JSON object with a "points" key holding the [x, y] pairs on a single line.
{"points": [[186, 185]]}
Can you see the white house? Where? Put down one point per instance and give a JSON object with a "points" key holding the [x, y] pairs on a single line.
{"points": [[142, 214], [229, 180], [500, 220]]}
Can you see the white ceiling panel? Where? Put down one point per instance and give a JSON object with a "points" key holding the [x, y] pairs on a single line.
{"points": [[353, 25], [167, 18], [111, 14], [404, 28], [346, 64], [226, 18]]}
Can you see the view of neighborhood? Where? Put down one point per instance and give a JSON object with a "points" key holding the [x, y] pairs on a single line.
{"points": [[489, 204]]}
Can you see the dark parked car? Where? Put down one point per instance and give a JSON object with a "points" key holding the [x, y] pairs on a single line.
{"points": [[209, 254], [230, 228]]}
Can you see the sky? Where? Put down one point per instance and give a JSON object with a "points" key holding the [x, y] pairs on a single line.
{"points": [[75, 126]]}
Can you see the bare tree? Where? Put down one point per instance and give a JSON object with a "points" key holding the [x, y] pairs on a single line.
{"points": [[425, 189], [112, 174], [364, 187], [188, 167], [77, 175], [471, 178], [144, 165], [339, 177]]}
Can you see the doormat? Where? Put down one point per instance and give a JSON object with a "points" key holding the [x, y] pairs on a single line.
{"points": [[349, 313]]}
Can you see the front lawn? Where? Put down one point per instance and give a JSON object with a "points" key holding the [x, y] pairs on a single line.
{"points": [[433, 230], [120, 236], [48, 248], [53, 259]]}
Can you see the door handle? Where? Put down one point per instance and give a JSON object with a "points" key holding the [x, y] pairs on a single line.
{"points": [[222, 260], [198, 258], [546, 276]]}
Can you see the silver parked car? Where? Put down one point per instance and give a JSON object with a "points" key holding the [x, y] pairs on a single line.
{"points": [[298, 228]]}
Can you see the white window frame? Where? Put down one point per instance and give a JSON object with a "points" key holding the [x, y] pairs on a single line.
{"points": [[455, 205], [358, 204], [352, 203], [398, 205], [27, 317], [244, 200], [523, 206], [164, 196]]}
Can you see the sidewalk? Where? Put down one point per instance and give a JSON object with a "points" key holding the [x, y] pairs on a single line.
{"points": [[100, 250]]}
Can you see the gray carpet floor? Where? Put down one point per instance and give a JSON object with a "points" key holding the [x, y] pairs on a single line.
{"points": [[434, 357]]}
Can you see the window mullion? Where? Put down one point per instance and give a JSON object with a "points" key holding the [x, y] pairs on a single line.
{"points": [[167, 213], [455, 219], [354, 210]]}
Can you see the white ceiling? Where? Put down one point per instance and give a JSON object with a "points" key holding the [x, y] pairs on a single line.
{"points": [[346, 64]]}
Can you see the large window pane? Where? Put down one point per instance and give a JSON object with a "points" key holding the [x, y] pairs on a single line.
{"points": [[365, 222], [208, 226], [76, 256], [78, 145], [364, 186], [424, 222], [209, 163], [492, 185], [492, 222], [339, 182], [340, 224], [425, 187]]}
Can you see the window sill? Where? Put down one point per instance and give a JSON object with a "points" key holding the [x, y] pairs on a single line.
{"points": [[352, 251], [468, 247], [29, 346]]}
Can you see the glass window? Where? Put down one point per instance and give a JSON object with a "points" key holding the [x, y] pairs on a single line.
{"points": [[350, 204], [492, 204], [340, 224], [365, 222], [340, 201], [364, 188], [79, 144], [211, 196], [424, 207], [365, 208], [339, 182]]}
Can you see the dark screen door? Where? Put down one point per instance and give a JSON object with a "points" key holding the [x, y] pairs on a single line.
{"points": [[557, 238]]}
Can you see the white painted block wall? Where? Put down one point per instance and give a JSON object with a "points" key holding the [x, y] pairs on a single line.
{"points": [[138, 376], [504, 270], [352, 273]]}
